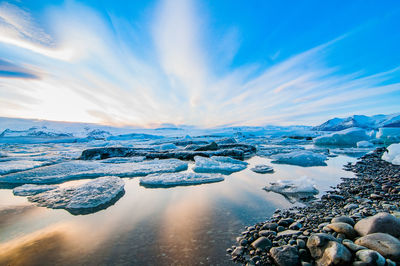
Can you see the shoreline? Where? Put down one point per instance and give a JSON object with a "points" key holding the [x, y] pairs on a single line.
{"points": [[287, 237]]}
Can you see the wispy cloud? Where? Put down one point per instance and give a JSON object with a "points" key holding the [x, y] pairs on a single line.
{"points": [[90, 72]]}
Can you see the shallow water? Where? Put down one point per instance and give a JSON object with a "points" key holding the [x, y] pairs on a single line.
{"points": [[189, 225]]}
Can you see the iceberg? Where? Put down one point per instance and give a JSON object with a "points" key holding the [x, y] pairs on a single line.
{"points": [[262, 169], [12, 166], [347, 137], [364, 144], [218, 164], [179, 179], [30, 190], [389, 134], [300, 158], [294, 190], [267, 151], [61, 172], [87, 198], [392, 155]]}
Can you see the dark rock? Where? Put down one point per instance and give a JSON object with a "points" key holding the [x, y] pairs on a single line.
{"points": [[370, 257], [262, 243], [343, 228], [343, 219], [285, 256]]}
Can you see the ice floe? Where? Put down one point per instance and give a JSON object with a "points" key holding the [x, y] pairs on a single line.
{"points": [[262, 169], [294, 190], [13, 166], [134, 159], [393, 154], [90, 169], [300, 158], [347, 137], [88, 197], [179, 179], [218, 164], [364, 144], [30, 190]]}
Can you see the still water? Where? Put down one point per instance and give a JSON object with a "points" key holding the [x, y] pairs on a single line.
{"points": [[190, 225]]}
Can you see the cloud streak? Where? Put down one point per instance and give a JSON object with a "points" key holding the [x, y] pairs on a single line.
{"points": [[89, 72]]}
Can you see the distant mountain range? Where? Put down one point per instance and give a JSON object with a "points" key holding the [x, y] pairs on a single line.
{"points": [[361, 121]]}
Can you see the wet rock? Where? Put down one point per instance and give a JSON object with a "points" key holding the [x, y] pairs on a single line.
{"points": [[370, 257], [343, 219], [343, 228], [387, 245], [379, 223], [262, 243], [238, 251], [289, 233], [295, 226], [352, 246], [317, 243], [334, 254], [270, 226], [267, 233], [285, 256]]}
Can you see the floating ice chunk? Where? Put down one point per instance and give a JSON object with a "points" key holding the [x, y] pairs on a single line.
{"points": [[179, 179], [267, 151], [364, 144], [389, 134], [13, 166], [262, 169], [97, 193], [294, 190], [218, 164], [30, 190], [3, 154], [123, 159], [166, 146], [90, 169], [348, 137], [393, 154], [352, 152], [301, 158]]}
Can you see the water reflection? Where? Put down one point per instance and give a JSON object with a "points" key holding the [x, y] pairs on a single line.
{"points": [[188, 225]]}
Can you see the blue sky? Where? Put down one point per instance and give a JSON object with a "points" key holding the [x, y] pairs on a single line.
{"points": [[205, 63]]}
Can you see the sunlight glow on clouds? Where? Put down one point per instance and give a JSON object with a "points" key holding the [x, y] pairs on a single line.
{"points": [[89, 72]]}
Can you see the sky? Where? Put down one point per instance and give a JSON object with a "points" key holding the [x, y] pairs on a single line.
{"points": [[205, 63]]}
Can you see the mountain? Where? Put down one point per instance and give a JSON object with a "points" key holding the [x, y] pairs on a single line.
{"points": [[361, 121]]}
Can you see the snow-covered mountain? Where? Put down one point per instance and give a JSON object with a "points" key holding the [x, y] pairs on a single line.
{"points": [[361, 121]]}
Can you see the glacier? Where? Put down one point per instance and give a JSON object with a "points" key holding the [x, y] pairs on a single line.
{"points": [[218, 164], [300, 158], [62, 172], [392, 155], [85, 198], [179, 179]]}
